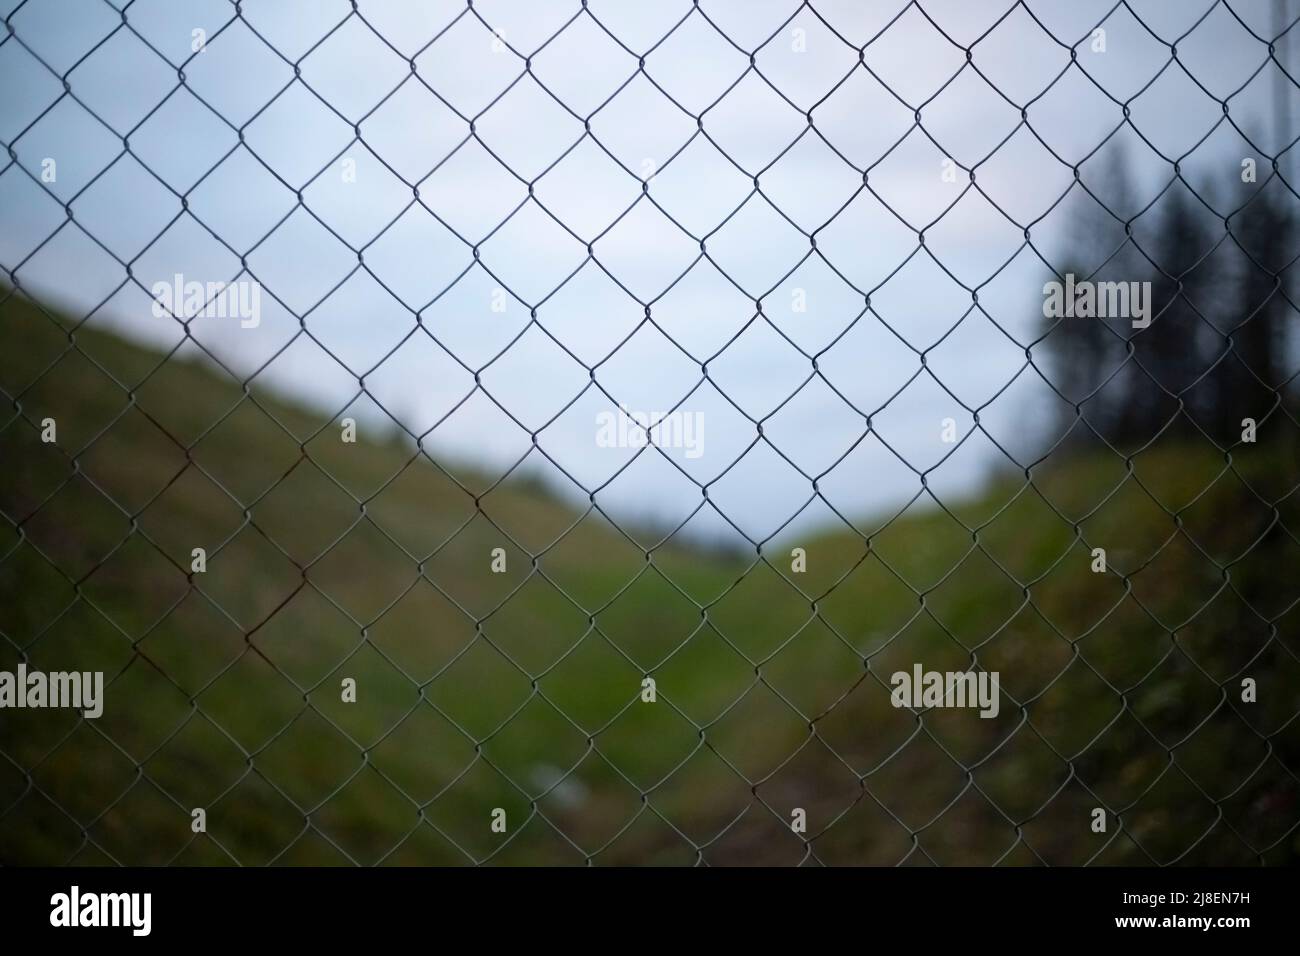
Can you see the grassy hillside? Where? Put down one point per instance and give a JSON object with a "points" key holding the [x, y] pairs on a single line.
{"points": [[521, 690]]}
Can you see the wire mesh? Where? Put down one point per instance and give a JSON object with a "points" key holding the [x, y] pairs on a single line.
{"points": [[1023, 789]]}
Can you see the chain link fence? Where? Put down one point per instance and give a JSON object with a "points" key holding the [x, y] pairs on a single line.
{"points": [[326, 640]]}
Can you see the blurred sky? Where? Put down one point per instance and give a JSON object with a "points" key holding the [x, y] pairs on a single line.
{"points": [[357, 261]]}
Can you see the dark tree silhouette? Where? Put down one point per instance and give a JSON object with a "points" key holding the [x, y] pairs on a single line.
{"points": [[1217, 349]]}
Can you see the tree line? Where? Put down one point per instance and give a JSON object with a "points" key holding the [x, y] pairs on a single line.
{"points": [[1219, 348]]}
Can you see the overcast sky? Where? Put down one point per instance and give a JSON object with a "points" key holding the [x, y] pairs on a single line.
{"points": [[346, 270]]}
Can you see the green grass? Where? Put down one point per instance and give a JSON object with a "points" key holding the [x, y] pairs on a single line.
{"points": [[479, 690]]}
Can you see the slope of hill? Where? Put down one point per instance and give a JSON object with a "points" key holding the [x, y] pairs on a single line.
{"points": [[521, 690]]}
